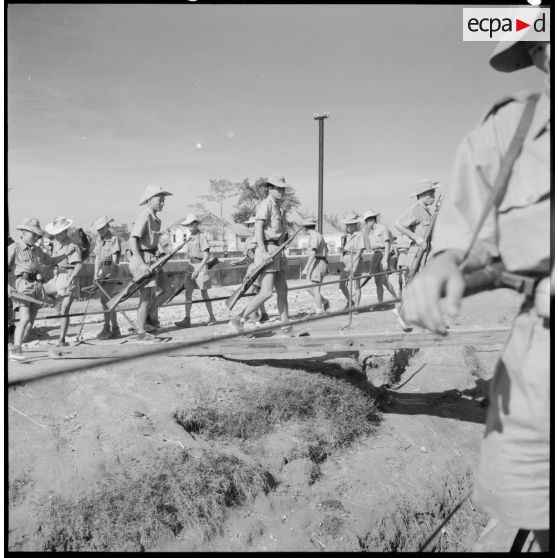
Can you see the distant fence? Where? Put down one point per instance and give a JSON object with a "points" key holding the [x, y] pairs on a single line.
{"points": [[222, 274]]}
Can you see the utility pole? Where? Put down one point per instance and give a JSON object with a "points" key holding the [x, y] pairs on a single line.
{"points": [[320, 118]]}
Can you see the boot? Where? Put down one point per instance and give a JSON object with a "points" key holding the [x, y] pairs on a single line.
{"points": [[104, 333], [183, 323]]}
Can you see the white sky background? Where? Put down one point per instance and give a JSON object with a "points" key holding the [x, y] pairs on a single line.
{"points": [[106, 99]]}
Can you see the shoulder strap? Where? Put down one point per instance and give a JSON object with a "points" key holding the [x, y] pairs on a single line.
{"points": [[499, 189]]}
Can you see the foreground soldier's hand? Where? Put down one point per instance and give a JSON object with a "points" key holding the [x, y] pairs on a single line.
{"points": [[435, 291]]}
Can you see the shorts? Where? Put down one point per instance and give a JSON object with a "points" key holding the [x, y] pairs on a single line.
{"points": [[156, 280], [202, 281], [280, 262], [113, 272], [318, 271], [406, 259], [29, 288], [60, 286], [345, 269], [513, 481], [256, 285], [375, 265]]}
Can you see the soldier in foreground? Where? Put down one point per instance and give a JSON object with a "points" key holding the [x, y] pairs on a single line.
{"points": [[270, 231], [509, 153]]}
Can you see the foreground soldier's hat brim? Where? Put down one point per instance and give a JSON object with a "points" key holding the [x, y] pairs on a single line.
{"points": [[151, 192], [510, 56], [424, 186]]}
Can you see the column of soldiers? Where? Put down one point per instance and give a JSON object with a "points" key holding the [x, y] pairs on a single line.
{"points": [[364, 235]]}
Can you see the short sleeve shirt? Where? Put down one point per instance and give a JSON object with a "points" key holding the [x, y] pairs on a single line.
{"points": [[275, 224], [196, 247], [251, 244], [147, 229], [72, 251], [378, 237], [417, 218], [26, 259], [317, 243], [106, 247]]}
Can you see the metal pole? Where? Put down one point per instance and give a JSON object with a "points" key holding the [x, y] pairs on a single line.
{"points": [[320, 118]]}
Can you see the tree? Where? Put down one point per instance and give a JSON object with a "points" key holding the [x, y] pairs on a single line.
{"points": [[250, 195], [121, 231], [219, 191]]}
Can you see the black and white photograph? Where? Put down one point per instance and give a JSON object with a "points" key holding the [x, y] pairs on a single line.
{"points": [[278, 277]]}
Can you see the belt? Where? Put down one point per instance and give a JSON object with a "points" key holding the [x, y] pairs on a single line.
{"points": [[28, 276], [194, 259], [321, 258], [272, 242], [150, 251], [107, 263]]}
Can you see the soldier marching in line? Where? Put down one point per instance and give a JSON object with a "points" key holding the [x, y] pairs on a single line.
{"points": [[26, 261], [377, 238], [248, 257], [197, 273], [62, 285], [270, 231], [107, 272], [144, 242], [415, 221], [507, 158], [316, 266], [352, 252]]}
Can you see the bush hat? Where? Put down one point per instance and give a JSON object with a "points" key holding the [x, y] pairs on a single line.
{"points": [[190, 218], [31, 225], [309, 222], [509, 56], [59, 225], [350, 219], [101, 222], [424, 185], [151, 192], [369, 214], [277, 180], [250, 221]]}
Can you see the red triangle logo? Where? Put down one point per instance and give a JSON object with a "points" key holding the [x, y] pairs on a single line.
{"points": [[519, 25]]}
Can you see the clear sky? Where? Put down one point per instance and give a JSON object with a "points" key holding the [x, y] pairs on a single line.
{"points": [[106, 99]]}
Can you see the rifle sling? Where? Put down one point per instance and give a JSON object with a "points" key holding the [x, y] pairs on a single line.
{"points": [[504, 172]]}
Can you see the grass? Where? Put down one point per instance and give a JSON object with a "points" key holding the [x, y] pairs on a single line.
{"points": [[148, 498], [413, 521], [334, 413]]}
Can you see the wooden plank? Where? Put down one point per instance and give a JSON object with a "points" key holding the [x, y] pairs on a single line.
{"points": [[297, 347]]}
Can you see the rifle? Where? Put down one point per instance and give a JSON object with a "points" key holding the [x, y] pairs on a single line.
{"points": [[134, 286], [27, 298], [423, 252], [211, 263], [249, 280]]}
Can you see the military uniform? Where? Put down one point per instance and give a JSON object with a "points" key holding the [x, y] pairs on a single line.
{"points": [[319, 268], [26, 262], [147, 229], [513, 479], [104, 250], [355, 242], [275, 232], [417, 218], [61, 285], [194, 251], [376, 241]]}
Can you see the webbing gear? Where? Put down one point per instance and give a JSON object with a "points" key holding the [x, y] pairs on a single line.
{"points": [[498, 191]]}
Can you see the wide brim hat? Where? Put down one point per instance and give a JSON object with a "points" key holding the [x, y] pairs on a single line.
{"points": [[191, 218], [350, 219], [250, 221], [509, 56], [101, 222], [309, 222], [277, 180], [424, 185], [151, 192], [369, 214], [31, 225], [58, 225]]}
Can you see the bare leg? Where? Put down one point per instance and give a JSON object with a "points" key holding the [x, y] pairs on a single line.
{"points": [[343, 288], [65, 322], [379, 288], [266, 290], [282, 296], [24, 321], [389, 286], [188, 292], [208, 305], [106, 316], [146, 294], [358, 292]]}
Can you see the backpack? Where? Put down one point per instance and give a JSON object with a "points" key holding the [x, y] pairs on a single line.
{"points": [[84, 243]]}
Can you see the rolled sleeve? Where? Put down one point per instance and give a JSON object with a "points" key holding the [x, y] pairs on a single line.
{"points": [[140, 225], [263, 211], [408, 219]]}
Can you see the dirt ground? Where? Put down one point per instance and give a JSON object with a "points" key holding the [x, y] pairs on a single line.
{"points": [[66, 431]]}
